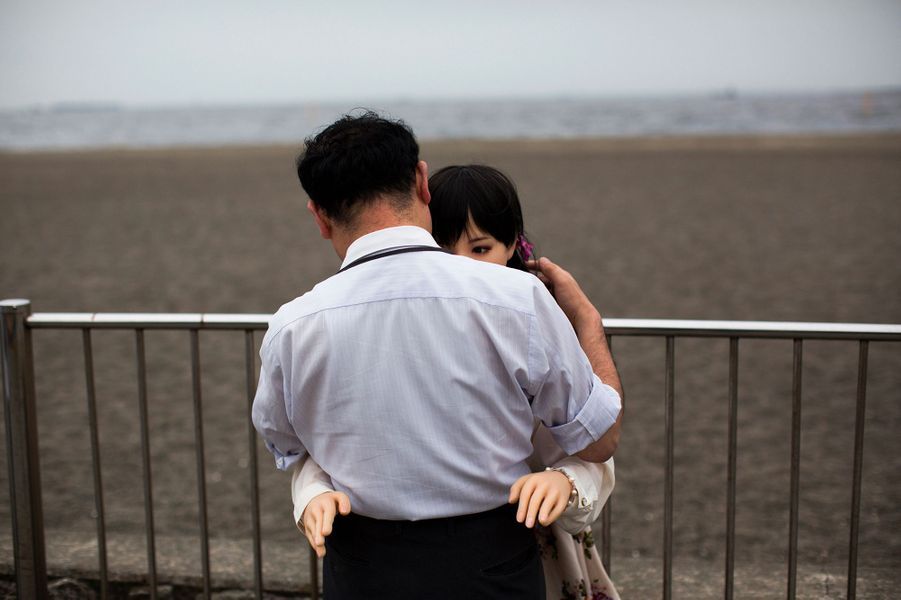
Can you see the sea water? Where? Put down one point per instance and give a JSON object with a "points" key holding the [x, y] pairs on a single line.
{"points": [[728, 113]]}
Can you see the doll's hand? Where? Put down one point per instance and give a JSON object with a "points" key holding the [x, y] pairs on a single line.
{"points": [[319, 515], [543, 495]]}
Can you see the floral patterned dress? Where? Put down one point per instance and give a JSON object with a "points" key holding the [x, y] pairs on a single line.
{"points": [[572, 566]]}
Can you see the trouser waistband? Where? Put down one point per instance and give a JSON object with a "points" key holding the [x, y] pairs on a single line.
{"points": [[455, 524]]}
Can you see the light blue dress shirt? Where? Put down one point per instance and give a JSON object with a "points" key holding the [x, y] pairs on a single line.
{"points": [[414, 379]]}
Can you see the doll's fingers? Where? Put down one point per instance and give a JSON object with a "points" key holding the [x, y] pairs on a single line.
{"points": [[318, 543], [319, 549], [328, 517], [547, 505], [317, 529], [309, 520], [309, 535], [310, 528], [556, 510], [546, 515], [343, 503], [525, 498], [522, 508], [516, 488], [534, 504]]}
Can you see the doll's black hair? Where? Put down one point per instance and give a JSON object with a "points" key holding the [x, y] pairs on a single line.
{"points": [[486, 195]]}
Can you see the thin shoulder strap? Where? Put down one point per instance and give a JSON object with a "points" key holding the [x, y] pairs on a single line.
{"points": [[391, 252]]}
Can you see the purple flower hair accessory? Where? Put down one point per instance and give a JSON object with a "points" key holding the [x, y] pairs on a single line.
{"points": [[526, 248]]}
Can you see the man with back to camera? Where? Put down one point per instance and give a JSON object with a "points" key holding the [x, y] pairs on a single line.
{"points": [[413, 377]]}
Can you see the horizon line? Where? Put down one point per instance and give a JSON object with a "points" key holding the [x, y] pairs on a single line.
{"points": [[727, 92]]}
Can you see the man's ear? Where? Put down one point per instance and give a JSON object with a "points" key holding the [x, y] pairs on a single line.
{"points": [[422, 182], [322, 221]]}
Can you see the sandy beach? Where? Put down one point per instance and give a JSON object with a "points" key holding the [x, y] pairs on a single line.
{"points": [[790, 228]]}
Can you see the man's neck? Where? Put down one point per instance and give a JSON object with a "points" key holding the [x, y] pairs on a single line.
{"points": [[374, 218]]}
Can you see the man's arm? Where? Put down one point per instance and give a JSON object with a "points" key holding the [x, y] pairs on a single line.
{"points": [[586, 321], [270, 417], [590, 332]]}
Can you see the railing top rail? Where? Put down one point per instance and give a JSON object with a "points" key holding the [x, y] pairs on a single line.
{"points": [[148, 321], [621, 327], [753, 329]]}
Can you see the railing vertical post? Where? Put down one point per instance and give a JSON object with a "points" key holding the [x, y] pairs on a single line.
{"points": [[91, 394], [250, 377], [201, 465], [731, 469], [145, 462], [858, 467], [669, 418], [795, 469], [22, 450], [607, 516], [314, 575]]}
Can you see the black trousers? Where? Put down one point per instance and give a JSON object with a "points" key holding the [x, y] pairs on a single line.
{"points": [[486, 555]]}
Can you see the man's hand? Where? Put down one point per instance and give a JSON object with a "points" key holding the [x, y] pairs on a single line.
{"points": [[542, 495], [569, 295], [584, 317], [319, 515]]}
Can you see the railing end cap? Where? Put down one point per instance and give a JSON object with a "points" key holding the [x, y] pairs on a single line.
{"points": [[15, 305]]}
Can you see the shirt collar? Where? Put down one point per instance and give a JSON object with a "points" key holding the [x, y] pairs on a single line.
{"points": [[390, 237]]}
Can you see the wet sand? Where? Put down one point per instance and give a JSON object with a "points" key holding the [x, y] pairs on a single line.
{"points": [[720, 228]]}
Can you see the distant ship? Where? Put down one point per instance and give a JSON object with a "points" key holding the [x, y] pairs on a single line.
{"points": [[729, 93]]}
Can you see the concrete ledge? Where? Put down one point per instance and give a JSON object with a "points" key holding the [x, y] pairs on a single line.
{"points": [[75, 554], [286, 569], [643, 578]]}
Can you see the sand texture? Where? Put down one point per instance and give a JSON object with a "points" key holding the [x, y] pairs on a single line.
{"points": [[765, 229]]}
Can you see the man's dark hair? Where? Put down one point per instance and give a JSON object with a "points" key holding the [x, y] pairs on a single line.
{"points": [[357, 159]]}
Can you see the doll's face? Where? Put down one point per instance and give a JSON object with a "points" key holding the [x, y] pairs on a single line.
{"points": [[481, 245]]}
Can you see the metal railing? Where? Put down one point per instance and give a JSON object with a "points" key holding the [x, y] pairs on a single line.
{"points": [[22, 450]]}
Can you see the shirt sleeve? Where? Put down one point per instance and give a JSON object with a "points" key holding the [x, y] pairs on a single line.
{"points": [[567, 396], [270, 416], [307, 482]]}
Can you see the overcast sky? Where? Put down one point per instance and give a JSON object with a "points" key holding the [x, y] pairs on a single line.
{"points": [[172, 52]]}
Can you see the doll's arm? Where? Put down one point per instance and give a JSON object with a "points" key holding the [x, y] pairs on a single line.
{"points": [[594, 482], [315, 502], [542, 496], [572, 493], [307, 482]]}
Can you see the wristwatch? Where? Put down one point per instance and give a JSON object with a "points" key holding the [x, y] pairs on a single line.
{"points": [[574, 491]]}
